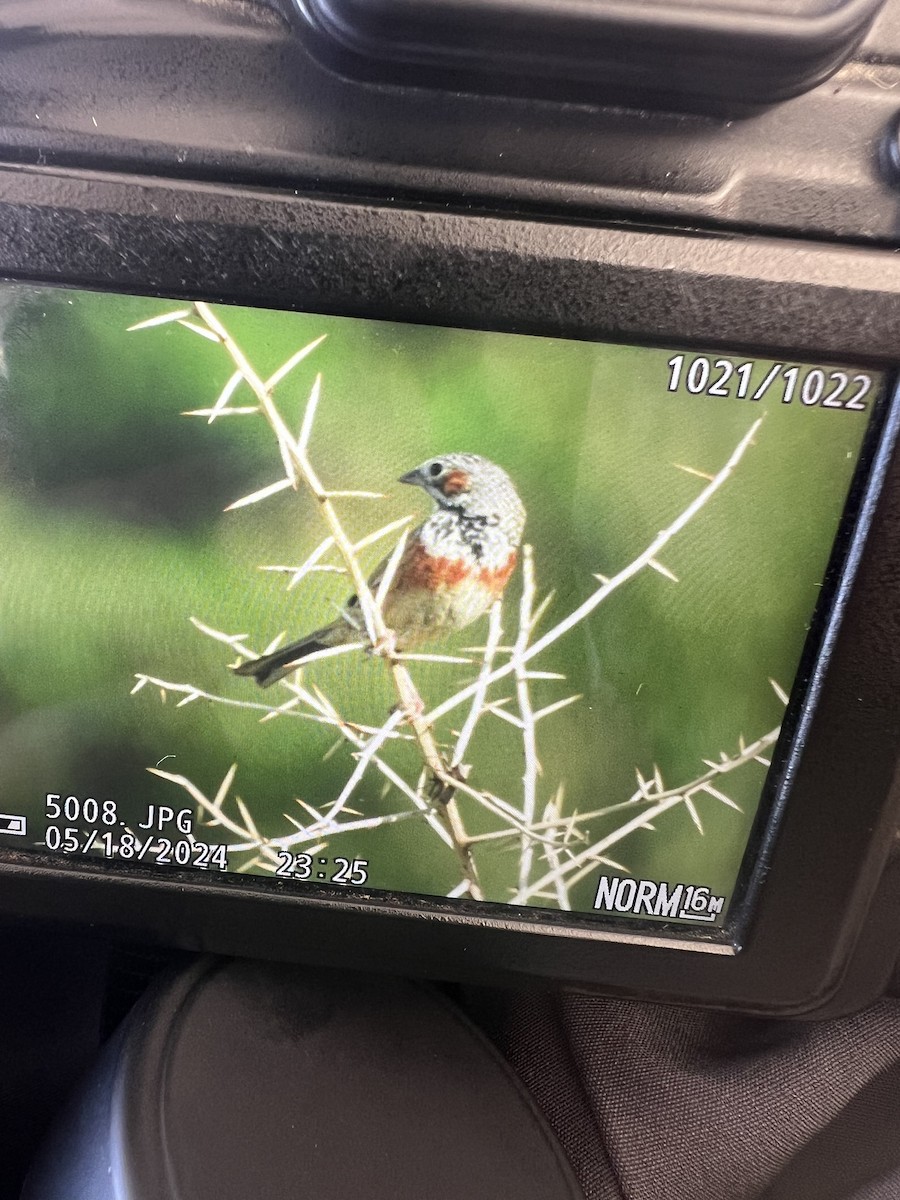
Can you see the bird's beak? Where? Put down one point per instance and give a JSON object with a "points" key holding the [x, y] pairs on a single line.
{"points": [[412, 477]]}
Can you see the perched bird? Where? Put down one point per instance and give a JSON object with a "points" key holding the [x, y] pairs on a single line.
{"points": [[453, 567]]}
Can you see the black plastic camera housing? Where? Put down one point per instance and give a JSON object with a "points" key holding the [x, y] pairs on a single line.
{"points": [[205, 152], [723, 57]]}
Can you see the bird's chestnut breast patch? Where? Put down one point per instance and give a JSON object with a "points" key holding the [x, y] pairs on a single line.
{"points": [[431, 571], [495, 579]]}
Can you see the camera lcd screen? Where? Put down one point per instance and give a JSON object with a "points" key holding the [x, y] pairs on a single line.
{"points": [[345, 604]]}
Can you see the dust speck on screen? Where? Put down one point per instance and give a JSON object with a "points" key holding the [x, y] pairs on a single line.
{"points": [[396, 608]]}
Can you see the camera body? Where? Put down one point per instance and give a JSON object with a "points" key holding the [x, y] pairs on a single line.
{"points": [[526, 216]]}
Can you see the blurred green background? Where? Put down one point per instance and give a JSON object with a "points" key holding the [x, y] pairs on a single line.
{"points": [[112, 534]]}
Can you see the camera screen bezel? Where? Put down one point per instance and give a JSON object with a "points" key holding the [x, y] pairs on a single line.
{"points": [[795, 934]]}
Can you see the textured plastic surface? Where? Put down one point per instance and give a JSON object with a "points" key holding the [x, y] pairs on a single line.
{"points": [[677, 54], [239, 1079], [232, 92]]}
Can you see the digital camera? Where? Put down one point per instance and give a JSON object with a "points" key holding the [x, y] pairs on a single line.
{"points": [[610, 696]]}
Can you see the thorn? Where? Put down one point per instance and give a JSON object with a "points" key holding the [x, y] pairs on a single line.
{"points": [[274, 644], [224, 396], [707, 787], [230, 639], [262, 494], [371, 538], [164, 319], [332, 749], [779, 691], [657, 566], [540, 611], [693, 471], [211, 413], [249, 825], [496, 711], [201, 329], [689, 805], [557, 706], [292, 362], [347, 495], [225, 786]]}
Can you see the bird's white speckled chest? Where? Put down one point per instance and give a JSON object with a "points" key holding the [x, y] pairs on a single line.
{"points": [[484, 543]]}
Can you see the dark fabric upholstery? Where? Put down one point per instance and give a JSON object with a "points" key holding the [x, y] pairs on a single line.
{"points": [[656, 1103]]}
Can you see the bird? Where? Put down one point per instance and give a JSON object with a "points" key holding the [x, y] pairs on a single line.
{"points": [[452, 568]]}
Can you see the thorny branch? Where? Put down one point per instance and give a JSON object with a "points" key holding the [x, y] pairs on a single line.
{"points": [[445, 775], [526, 716], [583, 862], [300, 471]]}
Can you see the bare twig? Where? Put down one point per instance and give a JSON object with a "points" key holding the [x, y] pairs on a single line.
{"points": [[326, 830], [300, 469], [532, 766], [661, 803], [366, 754], [495, 633], [552, 855], [214, 807]]}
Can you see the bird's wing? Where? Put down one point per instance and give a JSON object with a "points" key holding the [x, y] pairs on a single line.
{"points": [[374, 581]]}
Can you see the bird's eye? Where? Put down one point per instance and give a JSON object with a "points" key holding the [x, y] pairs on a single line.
{"points": [[435, 469]]}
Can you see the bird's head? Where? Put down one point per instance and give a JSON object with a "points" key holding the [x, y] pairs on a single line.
{"points": [[472, 486]]}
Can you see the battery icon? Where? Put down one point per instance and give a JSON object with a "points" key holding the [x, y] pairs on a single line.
{"points": [[13, 824]]}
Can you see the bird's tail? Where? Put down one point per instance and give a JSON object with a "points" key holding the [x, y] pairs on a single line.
{"points": [[269, 668]]}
